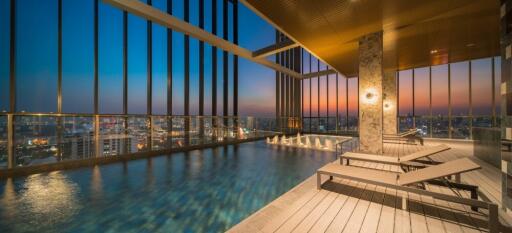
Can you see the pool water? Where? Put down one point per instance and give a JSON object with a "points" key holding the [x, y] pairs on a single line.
{"points": [[206, 190]]}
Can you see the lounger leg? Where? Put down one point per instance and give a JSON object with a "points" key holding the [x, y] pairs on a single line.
{"points": [[318, 181], [494, 223], [330, 177], [457, 178], [404, 201], [474, 195]]}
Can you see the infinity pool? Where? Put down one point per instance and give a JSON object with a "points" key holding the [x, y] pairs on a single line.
{"points": [[200, 191]]}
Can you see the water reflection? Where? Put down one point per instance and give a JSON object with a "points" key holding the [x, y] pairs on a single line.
{"points": [[201, 191]]}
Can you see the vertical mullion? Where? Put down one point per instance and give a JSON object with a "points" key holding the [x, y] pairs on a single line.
{"points": [[449, 102], [337, 103], [59, 82], [470, 100], [397, 74], [59, 76], [225, 77], [413, 100], [96, 72], [149, 93], [318, 90], [310, 92], [12, 86], [327, 96], [186, 63], [169, 79], [235, 58], [302, 86], [125, 62], [346, 103], [278, 87], [214, 60], [201, 60], [430, 95], [169, 64], [493, 93]]}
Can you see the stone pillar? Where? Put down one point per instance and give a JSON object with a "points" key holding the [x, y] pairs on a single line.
{"points": [[390, 121], [370, 93], [506, 103]]}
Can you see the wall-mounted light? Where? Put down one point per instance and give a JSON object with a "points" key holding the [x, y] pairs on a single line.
{"points": [[387, 106], [370, 96]]}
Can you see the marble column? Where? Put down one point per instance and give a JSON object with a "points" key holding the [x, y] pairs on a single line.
{"points": [[370, 93], [389, 101]]}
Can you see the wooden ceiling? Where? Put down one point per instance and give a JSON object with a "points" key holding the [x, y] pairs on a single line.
{"points": [[416, 32]]}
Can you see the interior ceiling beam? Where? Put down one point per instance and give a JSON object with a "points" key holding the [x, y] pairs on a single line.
{"points": [[319, 73], [275, 48], [157, 16]]}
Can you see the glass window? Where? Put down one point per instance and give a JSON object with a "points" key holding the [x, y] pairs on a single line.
{"points": [[314, 88], [332, 94], [306, 97], [110, 59], [440, 90], [405, 92], [78, 56], [4, 55], [159, 62], [481, 76], [36, 55], [177, 73], [421, 92], [342, 101], [208, 78], [137, 65], [459, 76], [353, 103], [194, 76]]}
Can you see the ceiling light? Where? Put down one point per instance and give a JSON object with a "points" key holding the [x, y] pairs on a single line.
{"points": [[433, 51], [470, 45]]}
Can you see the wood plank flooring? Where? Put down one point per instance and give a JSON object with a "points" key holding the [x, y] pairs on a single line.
{"points": [[348, 206]]}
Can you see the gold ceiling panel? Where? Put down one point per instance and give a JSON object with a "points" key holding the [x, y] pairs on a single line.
{"points": [[416, 33]]}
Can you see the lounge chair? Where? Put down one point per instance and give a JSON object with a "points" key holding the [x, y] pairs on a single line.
{"points": [[412, 182], [394, 160], [410, 136]]}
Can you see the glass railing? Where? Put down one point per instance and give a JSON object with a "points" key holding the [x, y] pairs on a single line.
{"points": [[456, 127], [330, 125], [51, 138]]}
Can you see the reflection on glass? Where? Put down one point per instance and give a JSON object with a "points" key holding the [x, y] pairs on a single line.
{"points": [[3, 142], [405, 90], [35, 140]]}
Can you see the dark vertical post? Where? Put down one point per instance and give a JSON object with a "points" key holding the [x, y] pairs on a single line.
{"points": [[125, 62], [214, 60], [201, 60], [413, 101], [278, 87], [397, 73], [97, 151], [310, 92], [12, 87], [169, 79], [186, 58], [430, 94], [187, 74], [201, 71], [318, 92], [59, 76], [225, 77], [149, 105], [235, 58], [494, 123], [286, 99], [449, 102], [149, 65], [346, 101], [337, 103], [96, 72], [470, 95], [59, 82], [125, 83]]}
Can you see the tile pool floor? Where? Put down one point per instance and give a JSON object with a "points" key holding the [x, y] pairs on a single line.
{"points": [[207, 190]]}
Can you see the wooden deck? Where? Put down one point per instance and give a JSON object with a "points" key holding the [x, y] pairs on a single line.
{"points": [[348, 206]]}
